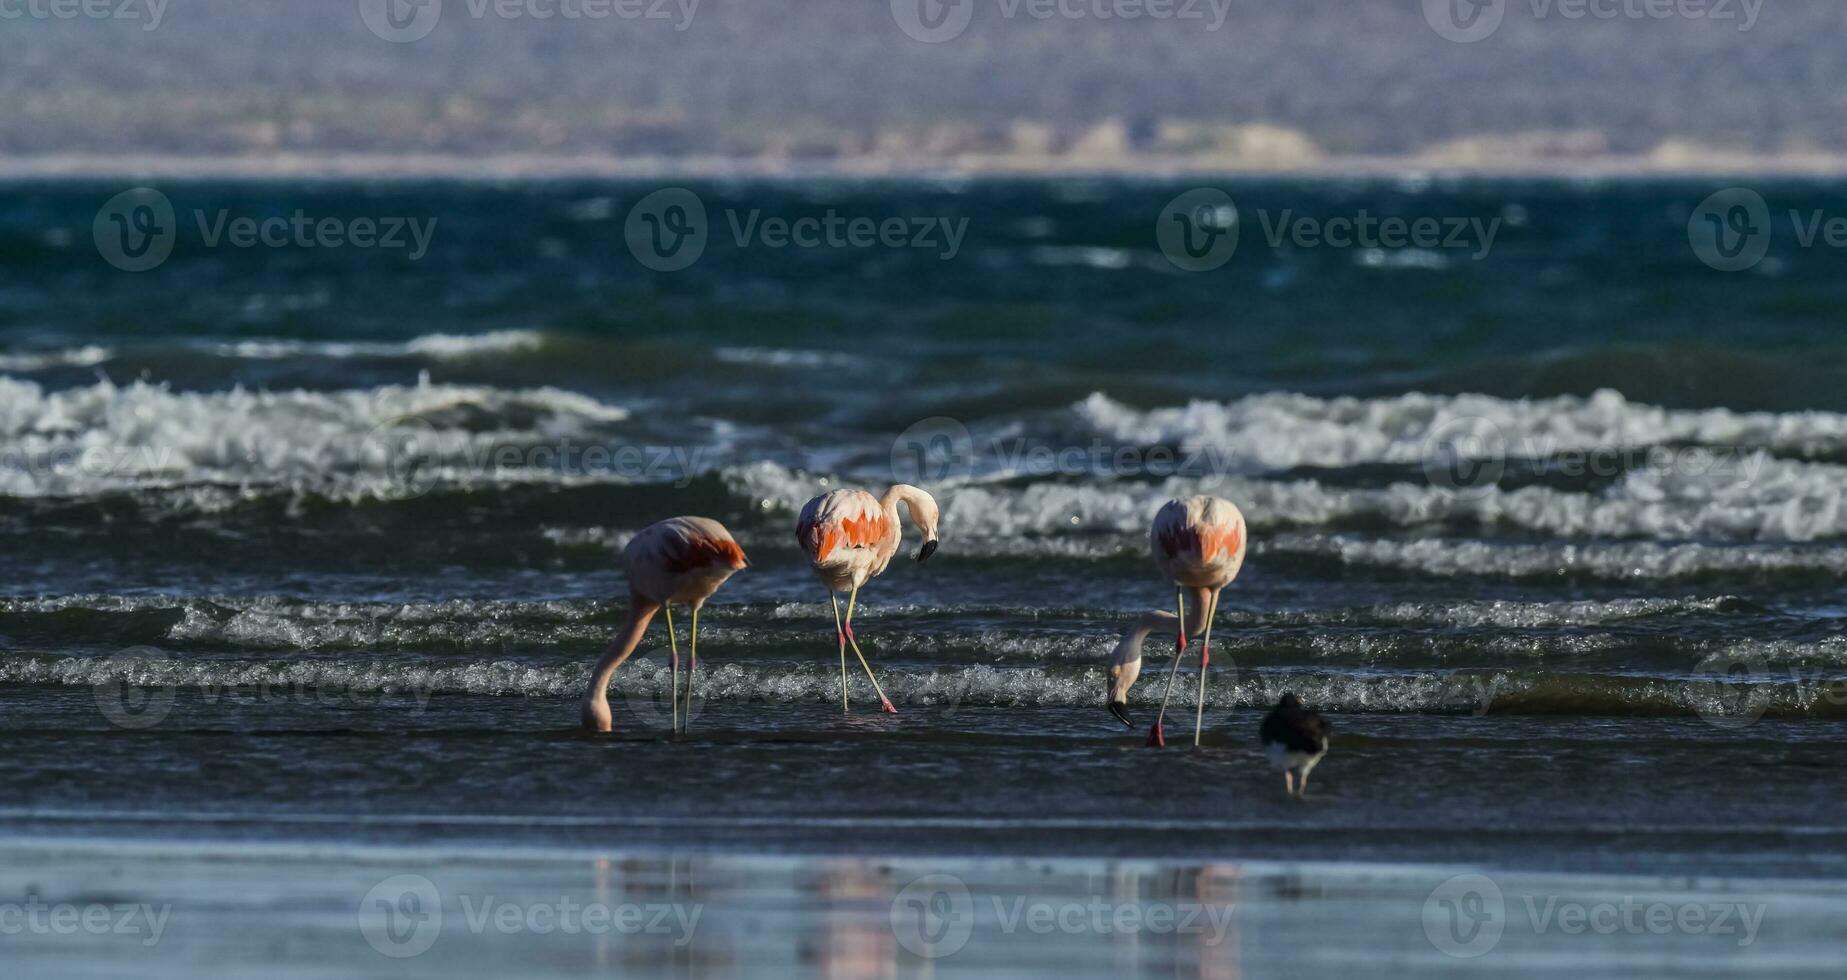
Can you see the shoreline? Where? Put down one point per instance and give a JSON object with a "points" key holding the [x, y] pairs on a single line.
{"points": [[448, 852], [524, 167], [180, 914]]}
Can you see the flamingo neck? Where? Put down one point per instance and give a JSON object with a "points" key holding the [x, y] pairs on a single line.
{"points": [[1129, 649], [910, 496], [596, 699]]}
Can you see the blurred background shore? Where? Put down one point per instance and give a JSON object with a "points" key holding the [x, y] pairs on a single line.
{"points": [[535, 87]]}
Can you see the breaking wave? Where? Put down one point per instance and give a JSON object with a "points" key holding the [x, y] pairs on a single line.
{"points": [[108, 438], [1505, 691], [1284, 431], [430, 347], [1788, 501], [1661, 634], [207, 450]]}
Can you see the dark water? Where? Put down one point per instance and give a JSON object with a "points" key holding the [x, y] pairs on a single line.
{"points": [[1554, 533]]}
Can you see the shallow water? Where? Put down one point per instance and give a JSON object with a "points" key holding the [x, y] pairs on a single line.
{"points": [[314, 547], [177, 911]]}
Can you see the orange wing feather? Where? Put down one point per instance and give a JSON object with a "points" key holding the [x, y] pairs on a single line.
{"points": [[704, 551], [1202, 543], [821, 532]]}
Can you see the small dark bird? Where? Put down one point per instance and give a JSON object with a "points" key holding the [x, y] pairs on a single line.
{"points": [[1295, 738]]}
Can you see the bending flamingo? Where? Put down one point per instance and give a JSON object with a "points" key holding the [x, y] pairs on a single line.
{"points": [[1199, 544], [849, 537], [681, 559], [1126, 661]]}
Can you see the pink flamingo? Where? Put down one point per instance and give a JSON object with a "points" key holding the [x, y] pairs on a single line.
{"points": [[681, 559], [1199, 545], [849, 537]]}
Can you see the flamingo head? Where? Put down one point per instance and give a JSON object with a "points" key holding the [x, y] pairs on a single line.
{"points": [[1122, 675], [925, 513]]}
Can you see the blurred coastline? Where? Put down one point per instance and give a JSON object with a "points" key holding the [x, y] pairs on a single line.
{"points": [[1670, 162], [516, 88]]}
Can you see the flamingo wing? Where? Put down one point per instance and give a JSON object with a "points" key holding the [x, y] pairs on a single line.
{"points": [[840, 519], [681, 544], [1199, 530]]}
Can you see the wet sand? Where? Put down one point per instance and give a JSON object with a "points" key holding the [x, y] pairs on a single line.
{"points": [[280, 910]]}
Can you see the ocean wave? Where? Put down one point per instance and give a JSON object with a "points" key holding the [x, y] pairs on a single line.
{"points": [[784, 357], [105, 438], [1456, 557], [1482, 632], [1281, 431], [210, 451], [437, 346], [88, 355], [433, 347], [1639, 561], [1787, 502], [226, 462], [1511, 691]]}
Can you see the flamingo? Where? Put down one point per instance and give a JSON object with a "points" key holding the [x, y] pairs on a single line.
{"points": [[681, 559], [1199, 545], [849, 537]]}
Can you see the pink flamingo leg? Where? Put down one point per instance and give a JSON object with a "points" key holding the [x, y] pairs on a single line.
{"points": [[883, 700], [673, 646], [840, 634], [1156, 737], [1205, 657]]}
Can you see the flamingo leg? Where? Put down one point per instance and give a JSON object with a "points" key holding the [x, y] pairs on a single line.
{"points": [[853, 597], [840, 634], [692, 667], [1205, 657], [1155, 736], [673, 646]]}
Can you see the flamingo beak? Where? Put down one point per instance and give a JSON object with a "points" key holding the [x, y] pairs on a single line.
{"points": [[929, 548], [1119, 709]]}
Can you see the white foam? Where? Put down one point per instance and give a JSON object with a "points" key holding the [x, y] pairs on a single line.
{"points": [[1643, 561], [742, 680], [1082, 635], [1280, 431], [1765, 499], [106, 437], [85, 356], [438, 346]]}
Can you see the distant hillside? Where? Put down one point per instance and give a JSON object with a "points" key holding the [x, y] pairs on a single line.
{"points": [[1280, 82]]}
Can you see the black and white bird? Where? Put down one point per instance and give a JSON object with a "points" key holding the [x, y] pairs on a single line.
{"points": [[1295, 738]]}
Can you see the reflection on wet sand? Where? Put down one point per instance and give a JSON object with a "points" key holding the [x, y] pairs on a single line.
{"points": [[492, 912]]}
